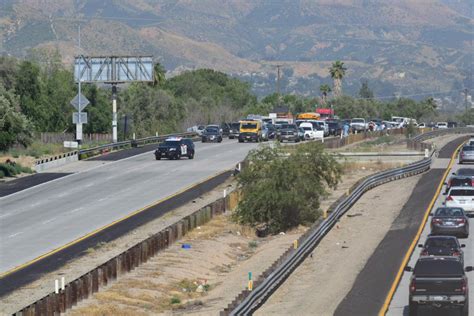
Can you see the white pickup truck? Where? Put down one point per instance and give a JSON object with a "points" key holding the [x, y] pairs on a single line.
{"points": [[359, 124], [310, 132]]}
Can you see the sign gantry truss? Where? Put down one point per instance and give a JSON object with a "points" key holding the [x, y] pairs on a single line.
{"points": [[113, 69]]}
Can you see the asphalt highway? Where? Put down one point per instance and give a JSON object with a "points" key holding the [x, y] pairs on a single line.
{"points": [[399, 303], [42, 218]]}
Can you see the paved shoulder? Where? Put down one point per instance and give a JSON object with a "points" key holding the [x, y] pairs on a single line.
{"points": [[373, 283], [20, 184]]}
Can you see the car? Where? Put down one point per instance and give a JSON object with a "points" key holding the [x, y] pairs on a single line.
{"points": [[444, 246], [250, 130], [289, 132], [311, 131], [322, 124], [334, 127], [359, 125], [452, 124], [442, 125], [462, 197], [422, 125], [301, 133], [272, 133], [450, 221], [466, 154], [234, 130], [212, 133], [175, 148], [459, 181], [467, 172], [439, 283], [225, 129]]}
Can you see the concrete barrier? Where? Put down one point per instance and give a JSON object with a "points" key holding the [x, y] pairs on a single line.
{"points": [[56, 161]]}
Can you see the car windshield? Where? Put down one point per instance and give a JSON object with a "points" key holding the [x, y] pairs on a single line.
{"points": [[461, 182], [468, 148], [249, 125], [461, 192], [290, 126], [446, 211], [465, 172], [235, 125], [212, 130], [441, 242], [357, 121], [333, 124], [438, 268], [306, 128]]}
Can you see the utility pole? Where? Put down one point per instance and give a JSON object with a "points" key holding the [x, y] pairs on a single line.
{"points": [[465, 98], [79, 123], [278, 83], [114, 113]]}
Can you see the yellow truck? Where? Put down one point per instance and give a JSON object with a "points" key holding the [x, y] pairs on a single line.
{"points": [[250, 130]]}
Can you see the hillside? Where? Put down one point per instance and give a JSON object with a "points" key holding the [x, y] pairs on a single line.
{"points": [[403, 46]]}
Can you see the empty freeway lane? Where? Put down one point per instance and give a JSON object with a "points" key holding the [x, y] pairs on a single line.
{"points": [[42, 218]]}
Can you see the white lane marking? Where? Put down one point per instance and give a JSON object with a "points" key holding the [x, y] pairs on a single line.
{"points": [[15, 234], [6, 214], [49, 220], [76, 209], [89, 185]]}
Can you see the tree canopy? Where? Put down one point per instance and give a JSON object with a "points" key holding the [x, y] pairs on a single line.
{"points": [[282, 192]]}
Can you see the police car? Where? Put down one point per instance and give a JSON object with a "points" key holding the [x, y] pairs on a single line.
{"points": [[175, 148]]}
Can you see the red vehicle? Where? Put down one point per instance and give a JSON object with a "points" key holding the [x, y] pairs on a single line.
{"points": [[325, 113]]}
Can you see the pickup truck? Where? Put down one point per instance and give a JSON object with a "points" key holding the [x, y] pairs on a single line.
{"points": [[359, 124], [439, 282], [311, 132]]}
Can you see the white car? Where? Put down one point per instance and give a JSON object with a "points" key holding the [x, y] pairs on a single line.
{"points": [[422, 125], [462, 197], [442, 125], [310, 132]]}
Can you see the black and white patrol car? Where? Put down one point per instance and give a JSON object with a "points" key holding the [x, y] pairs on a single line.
{"points": [[175, 148]]}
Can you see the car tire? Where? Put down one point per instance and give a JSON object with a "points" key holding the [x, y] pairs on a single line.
{"points": [[413, 309], [191, 156], [158, 157], [203, 140], [231, 137], [241, 140], [219, 140]]}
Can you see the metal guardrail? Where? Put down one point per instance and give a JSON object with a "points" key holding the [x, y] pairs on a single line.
{"points": [[137, 142], [133, 143], [262, 291]]}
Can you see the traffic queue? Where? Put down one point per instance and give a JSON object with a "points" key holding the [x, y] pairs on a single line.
{"points": [[439, 281]]}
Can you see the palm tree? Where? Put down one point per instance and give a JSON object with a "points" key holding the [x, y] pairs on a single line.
{"points": [[337, 71], [325, 89], [158, 74]]}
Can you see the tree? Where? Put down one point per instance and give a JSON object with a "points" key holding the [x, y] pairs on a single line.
{"points": [[337, 71], [284, 192], [365, 91], [325, 90], [159, 73], [15, 128]]}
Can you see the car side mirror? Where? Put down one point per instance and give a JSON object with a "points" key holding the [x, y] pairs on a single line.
{"points": [[463, 245], [408, 269], [454, 173], [468, 269], [420, 246]]}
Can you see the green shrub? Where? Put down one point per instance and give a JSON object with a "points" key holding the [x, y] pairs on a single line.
{"points": [[175, 300], [8, 170], [2, 175]]}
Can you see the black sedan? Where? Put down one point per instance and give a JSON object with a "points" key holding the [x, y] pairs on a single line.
{"points": [[211, 134], [442, 246], [450, 221]]}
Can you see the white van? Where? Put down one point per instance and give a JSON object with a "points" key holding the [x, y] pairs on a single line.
{"points": [[310, 132]]}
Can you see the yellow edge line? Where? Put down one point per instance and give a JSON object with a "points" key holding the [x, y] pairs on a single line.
{"points": [[396, 281], [106, 226]]}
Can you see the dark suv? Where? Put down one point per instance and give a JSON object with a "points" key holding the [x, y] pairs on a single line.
{"points": [[439, 282], [175, 148]]}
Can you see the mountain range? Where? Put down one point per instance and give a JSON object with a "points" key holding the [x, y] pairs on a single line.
{"points": [[405, 47]]}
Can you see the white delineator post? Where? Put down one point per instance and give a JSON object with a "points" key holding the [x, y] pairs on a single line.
{"points": [[114, 113]]}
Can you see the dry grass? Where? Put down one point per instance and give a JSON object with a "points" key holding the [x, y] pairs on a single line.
{"points": [[217, 225], [354, 166]]}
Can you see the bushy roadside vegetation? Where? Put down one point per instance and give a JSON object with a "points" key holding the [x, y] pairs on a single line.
{"points": [[281, 191], [8, 169]]}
